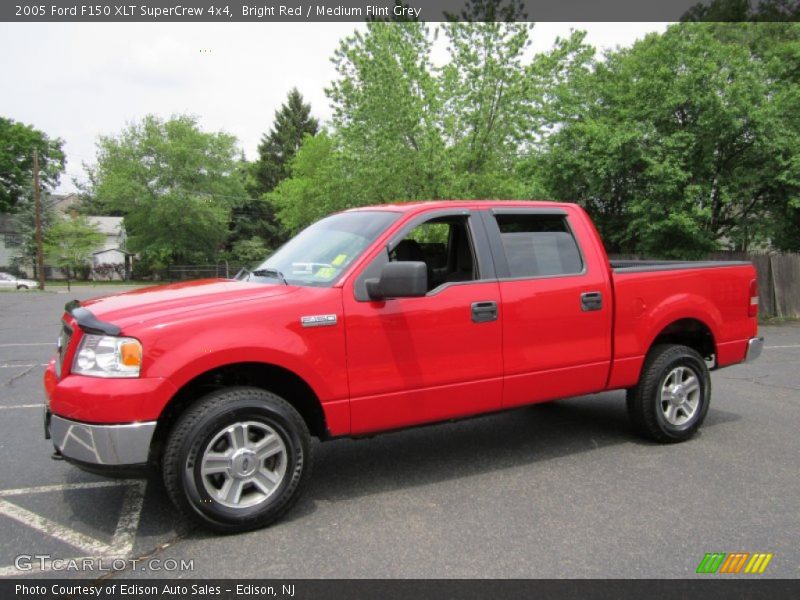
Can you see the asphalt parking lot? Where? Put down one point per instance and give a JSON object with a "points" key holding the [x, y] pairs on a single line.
{"points": [[558, 490]]}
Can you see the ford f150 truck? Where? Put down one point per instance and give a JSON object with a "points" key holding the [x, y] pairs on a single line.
{"points": [[381, 318]]}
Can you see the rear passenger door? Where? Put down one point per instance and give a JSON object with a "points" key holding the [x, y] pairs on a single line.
{"points": [[556, 304]]}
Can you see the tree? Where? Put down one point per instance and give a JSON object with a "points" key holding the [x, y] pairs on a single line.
{"points": [[486, 95], [174, 184], [685, 142], [405, 129], [25, 223], [251, 251], [293, 121], [256, 219], [69, 244], [17, 143]]}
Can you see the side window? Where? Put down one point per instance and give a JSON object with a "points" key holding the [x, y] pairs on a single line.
{"points": [[445, 246], [538, 245]]}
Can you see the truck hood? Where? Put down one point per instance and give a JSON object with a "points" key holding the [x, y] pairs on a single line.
{"points": [[162, 302]]}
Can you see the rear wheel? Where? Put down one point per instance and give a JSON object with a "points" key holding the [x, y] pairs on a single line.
{"points": [[22, 287], [237, 460], [672, 397]]}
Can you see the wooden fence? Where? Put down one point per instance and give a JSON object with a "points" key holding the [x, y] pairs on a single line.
{"points": [[778, 281]]}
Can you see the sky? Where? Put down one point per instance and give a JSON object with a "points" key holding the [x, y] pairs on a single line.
{"points": [[77, 81]]}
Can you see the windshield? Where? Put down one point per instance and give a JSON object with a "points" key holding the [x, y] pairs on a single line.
{"points": [[320, 253]]}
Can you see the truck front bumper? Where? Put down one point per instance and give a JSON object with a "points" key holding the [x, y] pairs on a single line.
{"points": [[754, 347], [91, 444]]}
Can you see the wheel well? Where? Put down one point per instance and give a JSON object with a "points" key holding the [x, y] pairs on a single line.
{"points": [[688, 332], [278, 380]]}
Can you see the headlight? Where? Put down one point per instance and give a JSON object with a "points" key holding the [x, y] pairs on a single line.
{"points": [[108, 356]]}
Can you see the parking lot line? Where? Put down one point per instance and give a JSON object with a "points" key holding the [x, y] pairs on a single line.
{"points": [[122, 541], [61, 487], [52, 529], [31, 344], [22, 406], [23, 366]]}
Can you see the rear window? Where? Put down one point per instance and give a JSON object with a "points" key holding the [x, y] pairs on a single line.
{"points": [[538, 245]]}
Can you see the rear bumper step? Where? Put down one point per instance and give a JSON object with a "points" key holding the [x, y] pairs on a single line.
{"points": [[754, 347]]}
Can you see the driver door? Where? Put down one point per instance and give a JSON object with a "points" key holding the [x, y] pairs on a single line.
{"points": [[434, 357]]}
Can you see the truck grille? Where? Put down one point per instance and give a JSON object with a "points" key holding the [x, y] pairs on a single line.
{"points": [[63, 344]]}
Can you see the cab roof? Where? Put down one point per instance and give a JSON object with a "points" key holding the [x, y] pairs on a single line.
{"points": [[419, 206]]}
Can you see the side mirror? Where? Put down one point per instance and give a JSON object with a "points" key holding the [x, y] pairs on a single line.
{"points": [[404, 279]]}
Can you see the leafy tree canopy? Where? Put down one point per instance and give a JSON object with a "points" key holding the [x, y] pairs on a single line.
{"points": [[404, 128], [683, 143], [174, 184], [17, 143], [69, 243], [293, 121]]}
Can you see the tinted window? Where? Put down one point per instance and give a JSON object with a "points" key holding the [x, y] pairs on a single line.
{"points": [[538, 245]]}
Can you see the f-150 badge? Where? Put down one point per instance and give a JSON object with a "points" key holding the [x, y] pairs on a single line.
{"points": [[318, 320]]}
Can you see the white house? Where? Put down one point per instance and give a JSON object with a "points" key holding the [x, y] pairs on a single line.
{"points": [[111, 253]]}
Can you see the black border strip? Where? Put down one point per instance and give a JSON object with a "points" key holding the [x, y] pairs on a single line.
{"points": [[708, 586], [191, 11]]}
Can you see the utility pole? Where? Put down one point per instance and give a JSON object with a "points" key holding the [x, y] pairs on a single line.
{"points": [[37, 200]]}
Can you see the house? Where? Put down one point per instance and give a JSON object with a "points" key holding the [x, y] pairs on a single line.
{"points": [[109, 260]]}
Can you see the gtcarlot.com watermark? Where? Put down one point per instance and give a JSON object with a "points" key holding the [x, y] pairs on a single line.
{"points": [[46, 562]]}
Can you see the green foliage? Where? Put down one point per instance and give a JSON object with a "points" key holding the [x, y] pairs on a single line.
{"points": [[386, 112], [17, 143], [255, 218], [174, 184], [69, 244], [293, 121], [685, 142], [405, 129], [25, 224], [250, 251], [320, 184]]}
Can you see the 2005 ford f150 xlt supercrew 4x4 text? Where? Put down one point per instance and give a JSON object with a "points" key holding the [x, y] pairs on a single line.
{"points": [[381, 318]]}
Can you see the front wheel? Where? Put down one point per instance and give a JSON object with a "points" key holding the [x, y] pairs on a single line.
{"points": [[237, 460], [672, 397], [22, 287]]}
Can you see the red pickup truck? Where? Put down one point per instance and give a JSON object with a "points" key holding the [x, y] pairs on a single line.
{"points": [[377, 319]]}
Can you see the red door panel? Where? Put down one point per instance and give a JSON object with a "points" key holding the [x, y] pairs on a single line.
{"points": [[553, 348], [416, 360]]}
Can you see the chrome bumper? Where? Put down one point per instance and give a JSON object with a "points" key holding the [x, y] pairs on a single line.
{"points": [[754, 348], [113, 445]]}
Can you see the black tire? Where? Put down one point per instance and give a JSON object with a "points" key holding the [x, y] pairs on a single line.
{"points": [[22, 287], [189, 442], [647, 408]]}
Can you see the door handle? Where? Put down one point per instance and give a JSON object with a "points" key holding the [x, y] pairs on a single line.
{"points": [[483, 312], [591, 301]]}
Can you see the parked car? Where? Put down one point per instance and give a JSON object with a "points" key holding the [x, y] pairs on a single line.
{"points": [[9, 281], [377, 319]]}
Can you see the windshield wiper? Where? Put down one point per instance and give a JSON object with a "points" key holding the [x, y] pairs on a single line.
{"points": [[274, 273]]}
